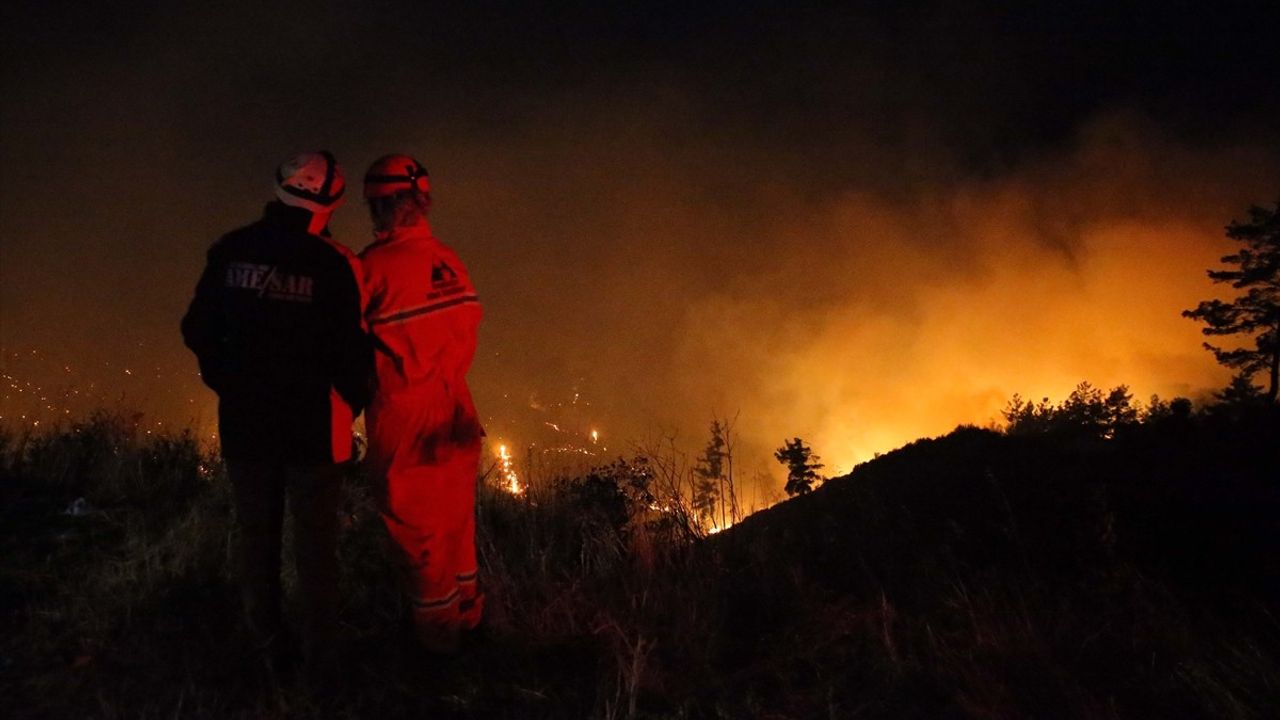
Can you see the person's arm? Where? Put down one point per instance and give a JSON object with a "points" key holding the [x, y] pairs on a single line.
{"points": [[351, 358], [204, 326]]}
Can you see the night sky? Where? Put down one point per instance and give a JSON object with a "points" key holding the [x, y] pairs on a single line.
{"points": [[859, 224]]}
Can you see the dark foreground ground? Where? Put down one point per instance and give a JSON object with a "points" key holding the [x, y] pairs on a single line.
{"points": [[976, 575]]}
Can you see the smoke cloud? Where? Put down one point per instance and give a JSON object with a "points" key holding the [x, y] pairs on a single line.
{"points": [[671, 288]]}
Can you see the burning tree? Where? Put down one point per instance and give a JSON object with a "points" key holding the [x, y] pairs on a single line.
{"points": [[802, 466], [1256, 312]]}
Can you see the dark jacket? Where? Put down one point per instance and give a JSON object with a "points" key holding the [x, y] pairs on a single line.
{"points": [[276, 325]]}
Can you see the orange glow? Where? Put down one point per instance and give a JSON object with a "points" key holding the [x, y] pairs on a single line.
{"points": [[858, 307], [889, 319], [717, 527], [507, 478]]}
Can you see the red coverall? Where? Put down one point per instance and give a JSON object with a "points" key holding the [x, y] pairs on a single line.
{"points": [[424, 436]]}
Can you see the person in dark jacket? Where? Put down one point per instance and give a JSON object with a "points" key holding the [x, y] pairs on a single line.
{"points": [[277, 328]]}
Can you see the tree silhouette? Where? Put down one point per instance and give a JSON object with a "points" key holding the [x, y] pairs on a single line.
{"points": [[708, 485], [1120, 412], [1023, 417], [1240, 392], [801, 465], [1159, 411], [1256, 312], [1086, 410], [713, 482]]}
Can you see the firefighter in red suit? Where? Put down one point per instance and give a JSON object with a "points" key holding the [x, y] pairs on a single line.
{"points": [[424, 436]]}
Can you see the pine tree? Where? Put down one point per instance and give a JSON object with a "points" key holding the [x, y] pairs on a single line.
{"points": [[1024, 417], [1084, 410], [1256, 312], [801, 466], [1119, 409], [1240, 392], [708, 488]]}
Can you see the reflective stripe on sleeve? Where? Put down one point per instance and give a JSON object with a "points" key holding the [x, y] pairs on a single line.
{"points": [[421, 310]]}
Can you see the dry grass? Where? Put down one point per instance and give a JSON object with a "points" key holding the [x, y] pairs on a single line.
{"points": [[973, 576]]}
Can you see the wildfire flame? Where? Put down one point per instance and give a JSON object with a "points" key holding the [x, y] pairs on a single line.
{"points": [[716, 527], [507, 478]]}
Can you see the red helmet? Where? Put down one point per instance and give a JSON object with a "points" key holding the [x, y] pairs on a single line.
{"points": [[391, 174]]}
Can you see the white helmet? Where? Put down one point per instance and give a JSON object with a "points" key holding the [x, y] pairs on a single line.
{"points": [[312, 181]]}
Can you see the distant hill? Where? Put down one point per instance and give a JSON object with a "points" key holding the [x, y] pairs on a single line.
{"points": [[1031, 576]]}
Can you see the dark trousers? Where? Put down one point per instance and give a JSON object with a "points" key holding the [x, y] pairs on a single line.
{"points": [[260, 492]]}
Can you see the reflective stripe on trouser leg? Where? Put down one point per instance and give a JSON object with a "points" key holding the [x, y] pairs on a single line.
{"points": [[436, 610], [431, 516], [471, 602], [471, 605]]}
